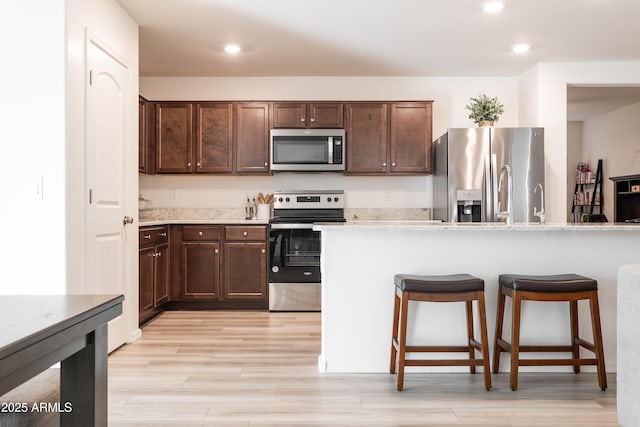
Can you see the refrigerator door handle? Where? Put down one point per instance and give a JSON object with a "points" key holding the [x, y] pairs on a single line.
{"points": [[488, 193], [494, 188]]}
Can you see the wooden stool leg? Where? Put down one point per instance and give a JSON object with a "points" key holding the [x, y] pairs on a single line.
{"points": [[515, 339], [484, 340], [573, 315], [499, 322], [394, 333], [597, 340], [402, 340], [470, 337]]}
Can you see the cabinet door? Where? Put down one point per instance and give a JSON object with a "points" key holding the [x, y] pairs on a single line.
{"points": [[327, 115], [146, 278], [142, 135], [411, 137], [214, 137], [252, 137], [245, 270], [200, 270], [367, 137], [161, 282], [174, 144], [289, 115]]}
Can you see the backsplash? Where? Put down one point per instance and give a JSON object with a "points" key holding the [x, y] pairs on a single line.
{"points": [[367, 214], [228, 192]]}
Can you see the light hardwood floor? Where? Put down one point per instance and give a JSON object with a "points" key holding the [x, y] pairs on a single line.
{"points": [[238, 368]]}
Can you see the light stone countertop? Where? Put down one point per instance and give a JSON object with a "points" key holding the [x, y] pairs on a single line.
{"points": [[147, 223], [412, 225]]}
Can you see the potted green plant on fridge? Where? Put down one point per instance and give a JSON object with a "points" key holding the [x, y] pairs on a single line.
{"points": [[484, 111]]}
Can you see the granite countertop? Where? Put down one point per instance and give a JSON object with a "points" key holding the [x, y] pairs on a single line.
{"points": [[164, 216], [418, 225], [145, 223]]}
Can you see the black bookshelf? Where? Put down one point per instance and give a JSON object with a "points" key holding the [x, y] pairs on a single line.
{"points": [[626, 199]]}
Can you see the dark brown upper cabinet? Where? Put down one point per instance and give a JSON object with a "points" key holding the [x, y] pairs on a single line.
{"points": [[252, 137], [389, 139], [308, 115], [174, 142], [194, 138], [410, 138], [214, 137], [146, 147], [367, 138]]}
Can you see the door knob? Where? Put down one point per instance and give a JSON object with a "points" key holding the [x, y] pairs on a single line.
{"points": [[127, 220]]}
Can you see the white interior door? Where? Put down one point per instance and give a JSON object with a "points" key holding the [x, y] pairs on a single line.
{"points": [[108, 130]]}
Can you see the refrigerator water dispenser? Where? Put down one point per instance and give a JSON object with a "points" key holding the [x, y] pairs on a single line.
{"points": [[469, 205]]}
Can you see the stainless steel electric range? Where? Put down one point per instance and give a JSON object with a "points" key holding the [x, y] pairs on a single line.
{"points": [[294, 277]]}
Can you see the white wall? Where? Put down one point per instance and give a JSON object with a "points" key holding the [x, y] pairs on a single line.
{"points": [[108, 22], [615, 138], [551, 101], [450, 95], [32, 111]]}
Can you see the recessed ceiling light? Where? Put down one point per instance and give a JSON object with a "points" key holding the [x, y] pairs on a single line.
{"points": [[493, 6], [232, 48], [521, 48]]}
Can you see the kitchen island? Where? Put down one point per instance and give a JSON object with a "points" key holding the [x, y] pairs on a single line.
{"points": [[359, 260]]}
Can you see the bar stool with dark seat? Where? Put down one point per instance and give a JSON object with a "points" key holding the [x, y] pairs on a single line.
{"points": [[562, 287], [450, 288]]}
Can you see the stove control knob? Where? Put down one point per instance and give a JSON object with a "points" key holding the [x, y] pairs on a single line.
{"points": [[328, 199], [275, 268], [280, 199], [335, 199], [287, 200]]}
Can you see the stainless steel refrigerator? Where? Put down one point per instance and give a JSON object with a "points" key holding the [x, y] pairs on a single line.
{"points": [[470, 165]]}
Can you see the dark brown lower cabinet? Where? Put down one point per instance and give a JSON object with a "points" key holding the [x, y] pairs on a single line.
{"points": [[200, 270], [245, 270], [219, 267], [153, 274]]}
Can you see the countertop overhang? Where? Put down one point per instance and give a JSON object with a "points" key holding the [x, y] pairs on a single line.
{"points": [[470, 226], [204, 222]]}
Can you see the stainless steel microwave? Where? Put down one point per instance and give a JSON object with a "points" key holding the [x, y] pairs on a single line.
{"points": [[307, 150]]}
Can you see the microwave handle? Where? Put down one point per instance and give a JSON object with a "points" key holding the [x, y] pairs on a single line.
{"points": [[330, 150]]}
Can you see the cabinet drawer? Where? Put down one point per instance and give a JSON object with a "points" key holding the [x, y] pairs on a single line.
{"points": [[200, 232], [240, 233], [153, 235]]}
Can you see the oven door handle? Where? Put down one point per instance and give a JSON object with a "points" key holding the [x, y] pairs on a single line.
{"points": [[298, 226]]}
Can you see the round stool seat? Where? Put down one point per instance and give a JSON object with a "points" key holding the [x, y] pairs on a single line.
{"points": [[438, 284], [559, 283]]}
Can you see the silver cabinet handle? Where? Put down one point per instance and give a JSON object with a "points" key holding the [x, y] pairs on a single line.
{"points": [[158, 253], [266, 164], [147, 236], [393, 164], [162, 234], [384, 164], [200, 233], [189, 164], [245, 234], [215, 251], [198, 164], [302, 119], [127, 220], [313, 119], [264, 251]]}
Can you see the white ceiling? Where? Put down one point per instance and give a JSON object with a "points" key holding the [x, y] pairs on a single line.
{"points": [[388, 38], [377, 37]]}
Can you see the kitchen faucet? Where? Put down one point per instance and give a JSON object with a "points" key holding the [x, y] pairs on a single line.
{"points": [[539, 214], [508, 213]]}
